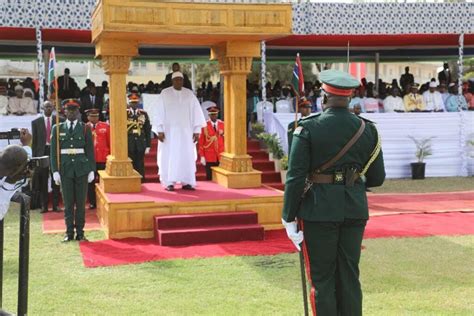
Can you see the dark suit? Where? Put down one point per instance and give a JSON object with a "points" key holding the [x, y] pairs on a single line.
{"points": [[40, 148], [66, 89], [86, 104], [168, 81], [443, 77], [406, 79]]}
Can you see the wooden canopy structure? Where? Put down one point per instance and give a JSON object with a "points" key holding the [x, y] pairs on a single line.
{"points": [[232, 31]]}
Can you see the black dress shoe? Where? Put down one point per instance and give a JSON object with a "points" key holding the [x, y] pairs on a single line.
{"points": [[92, 206], [81, 238], [188, 187], [44, 210], [170, 188], [68, 238]]}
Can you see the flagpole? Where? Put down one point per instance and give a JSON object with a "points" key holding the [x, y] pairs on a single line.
{"points": [[297, 98], [56, 92]]}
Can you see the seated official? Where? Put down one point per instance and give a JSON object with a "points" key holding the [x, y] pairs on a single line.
{"points": [[413, 101]]}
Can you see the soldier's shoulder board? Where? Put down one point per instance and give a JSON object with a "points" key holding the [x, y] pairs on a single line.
{"points": [[298, 130]]}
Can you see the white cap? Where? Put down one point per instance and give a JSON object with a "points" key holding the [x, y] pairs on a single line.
{"points": [[433, 84], [177, 74], [18, 87]]}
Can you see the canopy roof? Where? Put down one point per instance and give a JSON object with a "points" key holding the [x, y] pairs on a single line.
{"points": [[321, 31]]}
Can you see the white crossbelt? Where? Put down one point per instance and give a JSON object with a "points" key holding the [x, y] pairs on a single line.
{"points": [[72, 151]]}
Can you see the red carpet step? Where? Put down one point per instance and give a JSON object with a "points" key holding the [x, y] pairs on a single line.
{"points": [[191, 229]]}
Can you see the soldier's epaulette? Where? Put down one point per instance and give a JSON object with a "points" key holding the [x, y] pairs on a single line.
{"points": [[368, 121]]}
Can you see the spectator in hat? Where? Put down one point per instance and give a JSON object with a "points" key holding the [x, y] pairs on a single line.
{"points": [[15, 104], [393, 103], [455, 102], [211, 141], [433, 99], [304, 108], [413, 101], [28, 104]]}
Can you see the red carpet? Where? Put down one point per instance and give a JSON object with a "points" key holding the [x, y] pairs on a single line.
{"points": [[134, 250], [205, 190], [54, 222], [403, 203]]}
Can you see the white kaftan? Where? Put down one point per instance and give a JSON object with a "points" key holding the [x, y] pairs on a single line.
{"points": [[178, 115]]}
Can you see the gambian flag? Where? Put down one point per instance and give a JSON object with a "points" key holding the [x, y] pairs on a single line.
{"points": [[298, 78], [52, 84]]}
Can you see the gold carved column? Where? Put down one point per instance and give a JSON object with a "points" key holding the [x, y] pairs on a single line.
{"points": [[119, 175], [235, 62]]}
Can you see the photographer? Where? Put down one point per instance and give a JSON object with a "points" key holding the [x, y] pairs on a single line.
{"points": [[13, 174]]}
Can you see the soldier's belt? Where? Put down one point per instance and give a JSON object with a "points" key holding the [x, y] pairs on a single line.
{"points": [[336, 178], [72, 151]]}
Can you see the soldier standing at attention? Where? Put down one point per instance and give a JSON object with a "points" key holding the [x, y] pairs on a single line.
{"points": [[304, 107], [338, 154], [211, 141], [76, 169], [139, 134], [101, 136]]}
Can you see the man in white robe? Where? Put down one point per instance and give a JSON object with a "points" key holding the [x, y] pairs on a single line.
{"points": [[177, 120], [433, 99], [393, 103]]}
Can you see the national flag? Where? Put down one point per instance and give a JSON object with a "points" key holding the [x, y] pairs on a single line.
{"points": [[52, 84], [298, 78]]}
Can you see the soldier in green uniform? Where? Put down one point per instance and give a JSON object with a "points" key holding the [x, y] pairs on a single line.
{"points": [[334, 156], [139, 134], [304, 107], [76, 167]]}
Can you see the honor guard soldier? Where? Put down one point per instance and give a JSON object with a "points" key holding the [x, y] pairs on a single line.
{"points": [[101, 136], [304, 107], [139, 134], [76, 167], [211, 141], [334, 156]]}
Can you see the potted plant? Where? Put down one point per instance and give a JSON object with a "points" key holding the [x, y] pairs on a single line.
{"points": [[283, 168], [265, 140], [277, 151], [256, 129], [423, 150]]}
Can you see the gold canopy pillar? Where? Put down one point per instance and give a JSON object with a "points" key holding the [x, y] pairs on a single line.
{"points": [[235, 63], [119, 175]]}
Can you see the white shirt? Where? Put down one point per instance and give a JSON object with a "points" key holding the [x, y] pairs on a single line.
{"points": [[433, 101], [370, 105], [74, 123], [391, 104]]}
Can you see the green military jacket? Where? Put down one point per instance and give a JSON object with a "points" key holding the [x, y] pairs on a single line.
{"points": [[78, 164], [291, 129], [317, 140]]}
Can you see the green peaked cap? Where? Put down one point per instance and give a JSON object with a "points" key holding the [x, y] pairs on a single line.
{"points": [[338, 79]]}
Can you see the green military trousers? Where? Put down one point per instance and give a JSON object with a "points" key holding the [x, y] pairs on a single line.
{"points": [[74, 194], [332, 254]]}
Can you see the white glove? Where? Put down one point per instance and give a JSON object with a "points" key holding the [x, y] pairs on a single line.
{"points": [[147, 150], [295, 236], [57, 178], [91, 176], [203, 161]]}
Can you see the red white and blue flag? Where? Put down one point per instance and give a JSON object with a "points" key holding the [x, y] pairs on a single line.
{"points": [[52, 84], [298, 78]]}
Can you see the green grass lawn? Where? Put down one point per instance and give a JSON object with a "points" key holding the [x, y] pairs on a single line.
{"points": [[413, 276]]}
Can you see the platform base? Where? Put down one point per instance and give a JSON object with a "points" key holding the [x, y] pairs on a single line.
{"points": [[132, 214], [111, 184], [237, 180]]}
